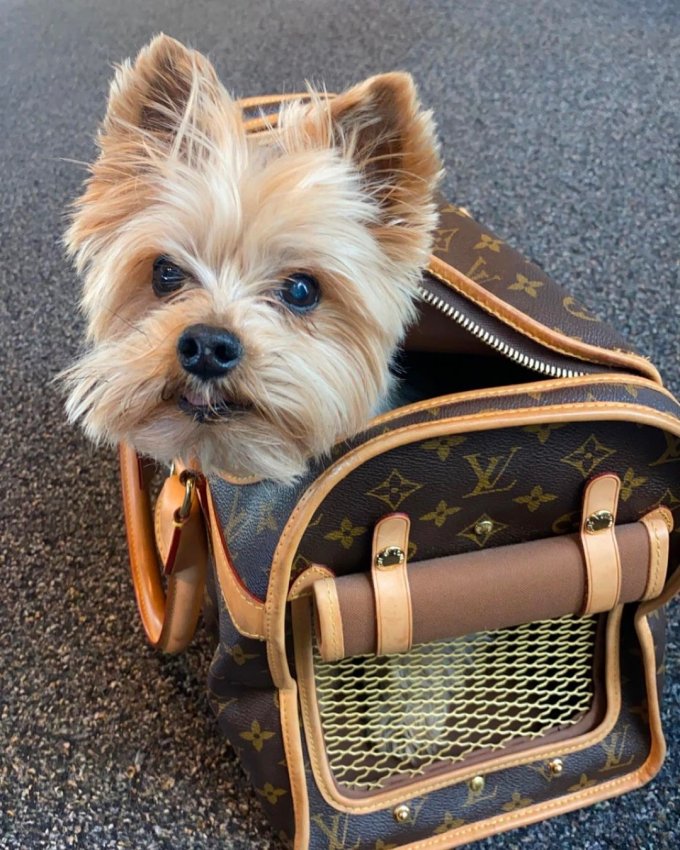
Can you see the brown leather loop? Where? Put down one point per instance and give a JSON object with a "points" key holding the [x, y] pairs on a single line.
{"points": [[169, 616]]}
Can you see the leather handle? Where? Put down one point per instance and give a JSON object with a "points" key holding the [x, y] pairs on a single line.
{"points": [[169, 615]]}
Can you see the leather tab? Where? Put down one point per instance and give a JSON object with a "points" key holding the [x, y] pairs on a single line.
{"points": [[600, 549], [394, 613], [659, 524], [180, 542]]}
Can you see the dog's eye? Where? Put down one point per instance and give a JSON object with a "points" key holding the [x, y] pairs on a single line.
{"points": [[167, 277], [300, 292]]}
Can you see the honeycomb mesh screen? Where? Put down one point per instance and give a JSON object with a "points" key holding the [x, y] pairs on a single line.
{"points": [[396, 716]]}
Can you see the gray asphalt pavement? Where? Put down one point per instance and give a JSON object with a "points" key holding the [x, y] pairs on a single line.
{"points": [[560, 127]]}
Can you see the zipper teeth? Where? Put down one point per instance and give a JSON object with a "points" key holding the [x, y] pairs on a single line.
{"points": [[494, 342]]}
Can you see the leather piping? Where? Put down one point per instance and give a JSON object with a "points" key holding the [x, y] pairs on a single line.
{"points": [[533, 329], [246, 611], [292, 747], [277, 590], [333, 795]]}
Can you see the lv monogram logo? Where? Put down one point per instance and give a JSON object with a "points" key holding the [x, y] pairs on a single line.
{"points": [[334, 832], [672, 452], [479, 274], [614, 750], [489, 470]]}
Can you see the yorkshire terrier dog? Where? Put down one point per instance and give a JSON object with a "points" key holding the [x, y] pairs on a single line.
{"points": [[245, 294]]}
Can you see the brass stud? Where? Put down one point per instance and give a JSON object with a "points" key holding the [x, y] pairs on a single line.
{"points": [[391, 557], [483, 527], [476, 784], [556, 766], [402, 813], [599, 521]]}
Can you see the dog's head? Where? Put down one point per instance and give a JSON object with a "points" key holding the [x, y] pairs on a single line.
{"points": [[244, 293]]}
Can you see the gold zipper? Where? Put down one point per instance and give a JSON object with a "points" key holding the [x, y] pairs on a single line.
{"points": [[503, 348]]}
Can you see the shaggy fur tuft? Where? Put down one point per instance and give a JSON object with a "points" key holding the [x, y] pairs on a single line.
{"points": [[341, 189]]}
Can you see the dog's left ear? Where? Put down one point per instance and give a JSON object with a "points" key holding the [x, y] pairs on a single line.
{"points": [[382, 128]]}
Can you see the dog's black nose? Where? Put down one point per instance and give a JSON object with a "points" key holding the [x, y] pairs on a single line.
{"points": [[208, 352]]}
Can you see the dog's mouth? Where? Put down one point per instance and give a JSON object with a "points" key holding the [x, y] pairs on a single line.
{"points": [[215, 410]]}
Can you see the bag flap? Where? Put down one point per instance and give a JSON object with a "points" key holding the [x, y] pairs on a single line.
{"points": [[518, 298]]}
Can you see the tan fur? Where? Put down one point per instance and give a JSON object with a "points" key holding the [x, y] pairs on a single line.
{"points": [[341, 189]]}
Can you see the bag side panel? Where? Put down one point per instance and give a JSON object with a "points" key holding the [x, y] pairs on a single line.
{"points": [[245, 702]]}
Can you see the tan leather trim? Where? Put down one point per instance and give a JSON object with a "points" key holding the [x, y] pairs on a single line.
{"points": [[292, 745], [277, 590], [600, 548], [532, 329], [658, 530], [169, 617], [302, 586], [632, 381], [328, 619], [658, 748], [671, 589], [393, 611], [246, 611], [302, 624]]}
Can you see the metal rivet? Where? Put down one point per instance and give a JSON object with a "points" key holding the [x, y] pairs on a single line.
{"points": [[476, 784], [484, 526], [599, 521], [390, 557], [556, 766], [402, 813]]}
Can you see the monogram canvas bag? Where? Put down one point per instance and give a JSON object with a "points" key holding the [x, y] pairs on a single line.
{"points": [[455, 625]]}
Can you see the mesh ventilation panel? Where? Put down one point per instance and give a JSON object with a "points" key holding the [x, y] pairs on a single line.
{"points": [[394, 717]]}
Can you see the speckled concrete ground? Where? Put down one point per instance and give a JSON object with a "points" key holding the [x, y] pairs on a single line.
{"points": [[560, 121]]}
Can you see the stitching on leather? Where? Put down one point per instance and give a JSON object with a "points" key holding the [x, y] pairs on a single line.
{"points": [[331, 611], [297, 787], [652, 529], [322, 572], [275, 664]]}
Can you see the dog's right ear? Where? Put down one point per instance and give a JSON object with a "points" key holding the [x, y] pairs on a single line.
{"points": [[170, 91], [168, 106]]}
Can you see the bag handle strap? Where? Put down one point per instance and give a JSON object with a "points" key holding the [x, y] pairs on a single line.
{"points": [[169, 614]]}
